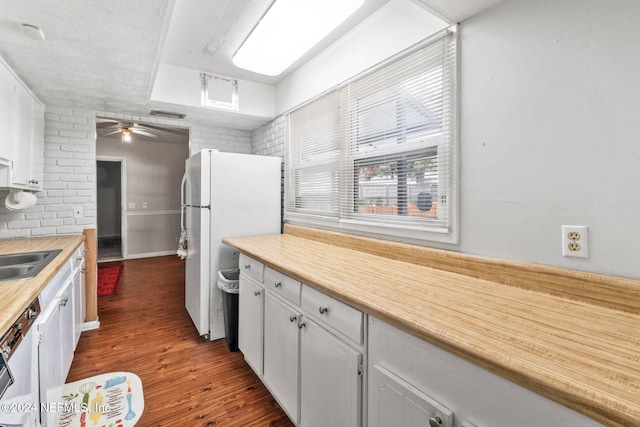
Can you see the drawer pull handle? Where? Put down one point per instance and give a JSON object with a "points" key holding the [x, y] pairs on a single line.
{"points": [[277, 284], [301, 325], [247, 266], [64, 301], [293, 318], [435, 421], [84, 270], [323, 309], [256, 293]]}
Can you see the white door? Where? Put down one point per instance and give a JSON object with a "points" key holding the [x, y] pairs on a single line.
{"points": [[22, 135], [250, 333], [6, 96], [330, 378], [50, 358], [78, 302], [197, 217], [281, 348]]}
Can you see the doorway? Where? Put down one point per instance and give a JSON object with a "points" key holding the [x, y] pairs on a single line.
{"points": [[109, 203]]}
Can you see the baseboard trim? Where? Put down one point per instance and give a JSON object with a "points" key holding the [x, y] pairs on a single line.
{"points": [[151, 254], [90, 326]]}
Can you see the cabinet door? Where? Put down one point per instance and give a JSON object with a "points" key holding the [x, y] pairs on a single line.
{"points": [[50, 357], [250, 331], [67, 326], [6, 96], [21, 135], [281, 354], [331, 379], [78, 303], [36, 174]]}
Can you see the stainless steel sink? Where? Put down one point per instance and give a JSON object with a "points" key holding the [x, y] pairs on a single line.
{"points": [[24, 265]]}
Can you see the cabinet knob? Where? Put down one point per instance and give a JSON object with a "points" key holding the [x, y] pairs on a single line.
{"points": [[64, 301], [277, 284], [256, 293], [247, 266], [293, 318], [435, 422], [84, 270], [301, 325], [322, 309]]}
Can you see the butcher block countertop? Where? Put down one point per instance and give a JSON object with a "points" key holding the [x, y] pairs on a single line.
{"points": [[15, 296], [570, 336]]}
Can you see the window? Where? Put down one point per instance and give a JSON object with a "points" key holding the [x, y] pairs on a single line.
{"points": [[377, 155]]}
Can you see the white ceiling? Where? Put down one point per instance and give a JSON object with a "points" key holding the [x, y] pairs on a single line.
{"points": [[104, 55]]}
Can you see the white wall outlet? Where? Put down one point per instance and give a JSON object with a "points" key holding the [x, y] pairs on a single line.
{"points": [[78, 212], [144, 205], [575, 241], [132, 205]]}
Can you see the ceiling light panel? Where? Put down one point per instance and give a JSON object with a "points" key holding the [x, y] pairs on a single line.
{"points": [[288, 30]]}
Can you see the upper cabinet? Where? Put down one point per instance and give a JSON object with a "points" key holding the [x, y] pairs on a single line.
{"points": [[22, 130]]}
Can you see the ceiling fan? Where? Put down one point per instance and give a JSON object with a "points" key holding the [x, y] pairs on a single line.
{"points": [[108, 127]]}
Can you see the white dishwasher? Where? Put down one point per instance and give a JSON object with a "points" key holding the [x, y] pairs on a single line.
{"points": [[19, 401]]}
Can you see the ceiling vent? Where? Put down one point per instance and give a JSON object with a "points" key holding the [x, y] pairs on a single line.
{"points": [[167, 114]]}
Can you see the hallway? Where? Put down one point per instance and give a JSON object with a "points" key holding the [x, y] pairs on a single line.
{"points": [[187, 381]]}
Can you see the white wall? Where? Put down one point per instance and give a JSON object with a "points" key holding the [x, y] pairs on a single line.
{"points": [[549, 132]]}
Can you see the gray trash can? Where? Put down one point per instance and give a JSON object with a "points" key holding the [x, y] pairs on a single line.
{"points": [[228, 282]]}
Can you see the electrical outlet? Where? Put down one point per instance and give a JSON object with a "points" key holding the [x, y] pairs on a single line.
{"points": [[575, 241], [132, 205]]}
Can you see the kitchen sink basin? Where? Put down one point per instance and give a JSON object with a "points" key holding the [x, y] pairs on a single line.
{"points": [[24, 265]]}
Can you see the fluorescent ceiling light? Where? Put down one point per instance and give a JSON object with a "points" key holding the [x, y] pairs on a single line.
{"points": [[288, 30]]}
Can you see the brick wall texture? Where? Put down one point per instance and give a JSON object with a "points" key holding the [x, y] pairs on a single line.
{"points": [[69, 179]]}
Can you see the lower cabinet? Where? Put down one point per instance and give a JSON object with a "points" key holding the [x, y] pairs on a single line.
{"points": [[412, 382], [330, 379], [55, 348], [250, 326], [281, 353], [312, 348]]}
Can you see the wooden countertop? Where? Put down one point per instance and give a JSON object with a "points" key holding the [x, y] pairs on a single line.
{"points": [[583, 355], [15, 296]]}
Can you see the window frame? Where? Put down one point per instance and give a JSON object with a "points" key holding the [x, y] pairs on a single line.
{"points": [[407, 229]]}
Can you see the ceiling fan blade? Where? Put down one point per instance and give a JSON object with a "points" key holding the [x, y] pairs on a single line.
{"points": [[174, 131], [142, 132], [112, 133]]}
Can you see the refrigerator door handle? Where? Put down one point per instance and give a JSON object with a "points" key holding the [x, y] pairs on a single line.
{"points": [[182, 201]]}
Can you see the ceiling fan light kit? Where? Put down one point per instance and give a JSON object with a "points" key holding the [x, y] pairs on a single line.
{"points": [[127, 136]]}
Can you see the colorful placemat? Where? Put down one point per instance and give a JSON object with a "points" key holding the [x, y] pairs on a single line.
{"points": [[108, 280], [108, 400]]}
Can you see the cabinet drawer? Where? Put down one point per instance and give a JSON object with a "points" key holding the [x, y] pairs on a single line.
{"points": [[284, 286], [336, 314], [251, 267]]}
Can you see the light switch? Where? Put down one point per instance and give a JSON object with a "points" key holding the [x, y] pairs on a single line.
{"points": [[132, 205]]}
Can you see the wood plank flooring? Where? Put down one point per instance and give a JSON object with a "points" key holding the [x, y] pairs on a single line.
{"points": [[187, 381]]}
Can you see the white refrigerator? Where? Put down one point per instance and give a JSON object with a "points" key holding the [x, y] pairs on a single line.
{"points": [[223, 195]]}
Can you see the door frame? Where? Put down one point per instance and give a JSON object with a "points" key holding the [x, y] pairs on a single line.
{"points": [[123, 197]]}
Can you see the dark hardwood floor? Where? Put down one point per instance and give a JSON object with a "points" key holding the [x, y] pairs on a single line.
{"points": [[187, 381]]}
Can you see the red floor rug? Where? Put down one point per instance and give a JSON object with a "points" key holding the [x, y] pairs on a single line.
{"points": [[108, 279]]}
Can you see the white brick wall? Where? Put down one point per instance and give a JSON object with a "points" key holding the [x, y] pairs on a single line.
{"points": [[269, 139], [69, 179], [228, 140]]}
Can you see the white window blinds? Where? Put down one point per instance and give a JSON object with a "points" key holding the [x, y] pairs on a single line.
{"points": [[378, 154]]}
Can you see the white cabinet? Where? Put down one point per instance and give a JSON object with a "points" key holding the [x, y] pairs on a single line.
{"points": [[79, 292], [411, 381], [330, 379], [281, 354], [22, 130], [312, 347], [6, 97], [250, 327], [55, 347]]}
